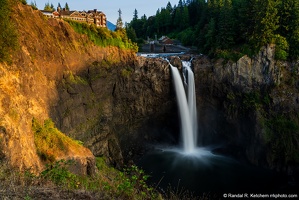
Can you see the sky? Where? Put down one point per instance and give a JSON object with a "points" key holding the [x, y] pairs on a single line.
{"points": [[111, 7]]}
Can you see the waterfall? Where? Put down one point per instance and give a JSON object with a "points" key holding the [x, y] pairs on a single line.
{"points": [[191, 97], [187, 108]]}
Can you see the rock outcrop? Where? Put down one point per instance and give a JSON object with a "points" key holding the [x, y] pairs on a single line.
{"points": [[116, 109], [240, 103]]}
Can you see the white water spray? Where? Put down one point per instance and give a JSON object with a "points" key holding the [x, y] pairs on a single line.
{"points": [[187, 109], [191, 98]]}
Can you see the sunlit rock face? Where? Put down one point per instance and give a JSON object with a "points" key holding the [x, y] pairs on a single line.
{"points": [[28, 84]]}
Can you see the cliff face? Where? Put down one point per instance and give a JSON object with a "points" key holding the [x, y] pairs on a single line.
{"points": [[104, 97], [115, 109], [115, 102], [48, 51], [250, 105]]}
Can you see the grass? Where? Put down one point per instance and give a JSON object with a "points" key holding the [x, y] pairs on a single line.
{"points": [[126, 72], [104, 37], [8, 36], [50, 142], [74, 79], [108, 183]]}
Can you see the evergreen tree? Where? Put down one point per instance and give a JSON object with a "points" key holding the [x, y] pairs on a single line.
{"points": [[229, 25], [33, 5], [119, 22], [169, 7], [135, 16], [131, 33], [177, 18], [242, 22], [226, 29], [180, 4], [52, 7], [67, 6], [143, 20], [158, 22], [48, 7], [194, 11], [165, 20], [213, 9], [210, 37], [289, 25], [185, 18], [264, 22], [58, 6]]}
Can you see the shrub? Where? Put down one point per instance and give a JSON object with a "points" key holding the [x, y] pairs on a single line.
{"points": [[24, 2], [33, 5], [126, 72], [282, 48], [133, 182], [228, 54], [8, 33], [50, 142], [104, 37], [187, 37], [59, 174], [282, 135]]}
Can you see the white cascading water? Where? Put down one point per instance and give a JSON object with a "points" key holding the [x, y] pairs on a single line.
{"points": [[191, 97], [187, 109]]}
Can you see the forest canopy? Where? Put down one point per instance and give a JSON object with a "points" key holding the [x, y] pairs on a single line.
{"points": [[226, 27]]}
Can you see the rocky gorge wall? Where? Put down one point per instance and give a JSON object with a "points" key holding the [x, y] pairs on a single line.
{"points": [[250, 107], [116, 109], [116, 103]]}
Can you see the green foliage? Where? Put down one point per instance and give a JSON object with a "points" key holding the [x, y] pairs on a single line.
{"points": [[282, 48], [252, 100], [67, 6], [289, 25], [222, 26], [33, 5], [126, 72], [264, 22], [74, 79], [104, 37], [59, 174], [50, 142], [228, 54], [131, 34], [8, 33], [186, 36], [210, 37], [27, 197], [49, 7], [132, 181], [247, 102], [127, 184], [24, 2], [282, 135], [226, 26]]}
